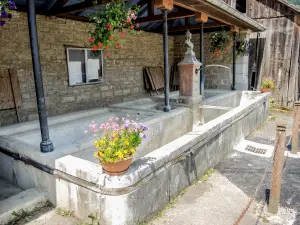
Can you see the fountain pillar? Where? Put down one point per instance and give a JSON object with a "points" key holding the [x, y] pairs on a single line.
{"points": [[189, 72]]}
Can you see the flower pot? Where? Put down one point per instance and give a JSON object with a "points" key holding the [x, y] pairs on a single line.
{"points": [[263, 90], [117, 168]]}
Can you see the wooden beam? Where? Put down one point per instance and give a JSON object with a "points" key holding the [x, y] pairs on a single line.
{"points": [[73, 17], [234, 29], [151, 7], [82, 6], [195, 27], [201, 17], [57, 5], [164, 4], [197, 10], [172, 15]]}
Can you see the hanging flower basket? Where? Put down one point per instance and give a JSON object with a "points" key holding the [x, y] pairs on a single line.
{"points": [[243, 47], [109, 24], [220, 42], [6, 8], [116, 143]]}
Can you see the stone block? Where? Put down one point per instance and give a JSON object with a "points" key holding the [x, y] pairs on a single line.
{"points": [[118, 93], [68, 99], [107, 94]]}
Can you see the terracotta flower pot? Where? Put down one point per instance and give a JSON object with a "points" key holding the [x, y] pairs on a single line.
{"points": [[118, 168], [263, 90]]}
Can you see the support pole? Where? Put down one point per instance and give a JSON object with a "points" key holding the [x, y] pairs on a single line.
{"points": [[167, 106], [234, 62], [277, 168], [202, 74], [46, 145], [295, 137]]}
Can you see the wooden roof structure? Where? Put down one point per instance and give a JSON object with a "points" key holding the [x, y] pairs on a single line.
{"points": [[181, 18]]}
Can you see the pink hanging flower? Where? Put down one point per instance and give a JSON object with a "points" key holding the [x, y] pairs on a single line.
{"points": [[128, 20]]}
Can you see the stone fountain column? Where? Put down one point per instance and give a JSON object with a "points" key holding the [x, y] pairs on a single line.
{"points": [[189, 73]]}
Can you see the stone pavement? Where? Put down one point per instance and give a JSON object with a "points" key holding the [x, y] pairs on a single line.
{"points": [[221, 200]]}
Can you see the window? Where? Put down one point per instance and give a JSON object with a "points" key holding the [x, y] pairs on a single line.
{"points": [[241, 5], [85, 66]]}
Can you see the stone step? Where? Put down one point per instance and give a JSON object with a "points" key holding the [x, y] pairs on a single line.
{"points": [[23, 202], [7, 190]]}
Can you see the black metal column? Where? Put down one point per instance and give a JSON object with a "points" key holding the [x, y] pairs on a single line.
{"points": [[46, 144], [167, 106], [234, 62], [202, 74]]}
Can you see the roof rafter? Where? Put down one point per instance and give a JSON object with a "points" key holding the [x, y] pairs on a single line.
{"points": [[195, 27], [171, 16], [77, 7]]}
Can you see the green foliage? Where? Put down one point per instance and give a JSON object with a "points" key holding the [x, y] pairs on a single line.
{"points": [[268, 83], [220, 42], [207, 174], [109, 23], [243, 47], [64, 213]]}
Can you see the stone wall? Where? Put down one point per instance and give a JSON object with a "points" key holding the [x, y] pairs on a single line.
{"points": [[216, 77], [123, 77]]}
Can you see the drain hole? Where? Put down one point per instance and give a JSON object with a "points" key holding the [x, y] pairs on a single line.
{"points": [[261, 151]]}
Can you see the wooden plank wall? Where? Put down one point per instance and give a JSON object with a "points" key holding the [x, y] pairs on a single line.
{"points": [[281, 51]]}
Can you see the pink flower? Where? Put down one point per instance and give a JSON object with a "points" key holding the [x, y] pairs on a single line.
{"points": [[91, 39], [134, 17], [128, 20], [85, 132]]}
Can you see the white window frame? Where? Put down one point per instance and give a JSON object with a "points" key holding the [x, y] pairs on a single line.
{"points": [[85, 61]]}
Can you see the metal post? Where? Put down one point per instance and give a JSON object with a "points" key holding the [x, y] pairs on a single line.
{"points": [[167, 106], [295, 133], [46, 145], [202, 74], [277, 168], [234, 62]]}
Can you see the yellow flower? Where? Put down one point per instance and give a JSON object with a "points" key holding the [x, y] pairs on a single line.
{"points": [[102, 142], [132, 150], [119, 154], [116, 139], [125, 151], [126, 142]]}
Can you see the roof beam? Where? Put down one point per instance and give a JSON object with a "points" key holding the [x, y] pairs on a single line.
{"points": [[57, 5], [171, 16], [77, 7], [73, 17], [195, 27]]}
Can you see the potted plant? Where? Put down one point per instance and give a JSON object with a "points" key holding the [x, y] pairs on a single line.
{"points": [[109, 24], [220, 42], [267, 85], [243, 47], [6, 8], [116, 143]]}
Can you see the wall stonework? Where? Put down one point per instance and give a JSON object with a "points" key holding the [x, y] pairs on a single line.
{"points": [[123, 70], [216, 77]]}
